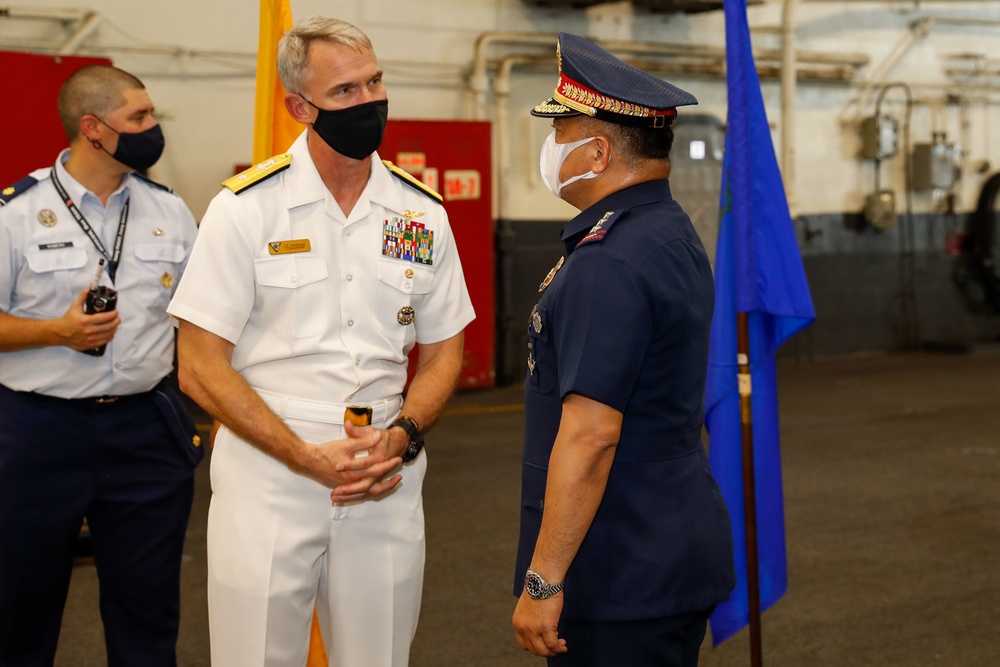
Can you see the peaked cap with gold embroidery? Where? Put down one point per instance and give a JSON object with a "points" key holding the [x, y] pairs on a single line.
{"points": [[595, 83]]}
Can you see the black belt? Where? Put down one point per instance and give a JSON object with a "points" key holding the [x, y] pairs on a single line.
{"points": [[90, 403]]}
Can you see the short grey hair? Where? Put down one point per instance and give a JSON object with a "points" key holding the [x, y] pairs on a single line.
{"points": [[293, 49]]}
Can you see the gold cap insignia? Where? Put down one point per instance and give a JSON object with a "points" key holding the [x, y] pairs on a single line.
{"points": [[8, 191], [167, 280], [47, 218], [405, 315]]}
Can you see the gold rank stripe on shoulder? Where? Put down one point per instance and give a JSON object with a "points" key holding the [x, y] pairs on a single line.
{"points": [[420, 185], [258, 173]]}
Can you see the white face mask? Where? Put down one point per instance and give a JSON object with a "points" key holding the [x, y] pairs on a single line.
{"points": [[551, 161]]}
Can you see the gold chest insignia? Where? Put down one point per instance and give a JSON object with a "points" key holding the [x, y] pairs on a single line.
{"points": [[405, 315], [47, 218]]}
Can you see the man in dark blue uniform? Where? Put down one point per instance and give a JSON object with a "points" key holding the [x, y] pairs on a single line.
{"points": [[625, 543]]}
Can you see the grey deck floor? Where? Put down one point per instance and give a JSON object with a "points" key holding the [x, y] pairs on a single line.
{"points": [[892, 494]]}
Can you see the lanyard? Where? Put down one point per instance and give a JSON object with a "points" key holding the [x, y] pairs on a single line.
{"points": [[85, 226]]}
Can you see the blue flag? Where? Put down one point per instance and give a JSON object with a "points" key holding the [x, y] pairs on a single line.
{"points": [[758, 271]]}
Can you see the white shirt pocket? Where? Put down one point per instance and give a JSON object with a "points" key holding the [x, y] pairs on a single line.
{"points": [[293, 295], [54, 278], [158, 271], [402, 287]]}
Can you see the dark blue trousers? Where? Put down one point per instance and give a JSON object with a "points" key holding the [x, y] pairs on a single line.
{"points": [[117, 465], [661, 642]]}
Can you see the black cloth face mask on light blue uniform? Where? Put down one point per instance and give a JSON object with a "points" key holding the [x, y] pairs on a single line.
{"points": [[355, 131], [138, 150]]}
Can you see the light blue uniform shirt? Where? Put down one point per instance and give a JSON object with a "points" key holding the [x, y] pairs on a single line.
{"points": [[44, 266]]}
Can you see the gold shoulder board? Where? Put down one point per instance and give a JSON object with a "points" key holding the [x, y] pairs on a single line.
{"points": [[258, 173], [412, 181]]}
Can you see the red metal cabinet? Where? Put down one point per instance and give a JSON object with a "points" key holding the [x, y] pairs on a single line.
{"points": [[453, 157], [30, 131]]}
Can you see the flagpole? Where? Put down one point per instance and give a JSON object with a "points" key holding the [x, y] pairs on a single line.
{"points": [[749, 491]]}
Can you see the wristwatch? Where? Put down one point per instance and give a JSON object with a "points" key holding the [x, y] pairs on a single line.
{"points": [[538, 588], [416, 440]]}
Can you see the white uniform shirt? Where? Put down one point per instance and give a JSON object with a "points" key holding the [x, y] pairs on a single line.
{"points": [[323, 325], [44, 266]]}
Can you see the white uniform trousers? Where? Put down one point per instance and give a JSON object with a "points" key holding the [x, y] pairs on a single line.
{"points": [[277, 546]]}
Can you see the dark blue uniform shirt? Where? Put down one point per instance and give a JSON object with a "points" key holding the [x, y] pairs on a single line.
{"points": [[625, 321]]}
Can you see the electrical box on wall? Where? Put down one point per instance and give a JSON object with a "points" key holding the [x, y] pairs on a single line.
{"points": [[879, 137], [880, 209], [935, 165]]}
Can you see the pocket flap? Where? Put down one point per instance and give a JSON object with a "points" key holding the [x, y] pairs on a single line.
{"points": [[407, 277], [59, 259], [290, 272], [160, 251]]}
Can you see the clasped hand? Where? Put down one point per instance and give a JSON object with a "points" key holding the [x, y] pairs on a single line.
{"points": [[355, 475]]}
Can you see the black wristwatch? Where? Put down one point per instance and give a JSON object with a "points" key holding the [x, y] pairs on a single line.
{"points": [[538, 588], [416, 440]]}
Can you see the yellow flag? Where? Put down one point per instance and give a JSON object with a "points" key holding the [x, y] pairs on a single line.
{"points": [[317, 652], [273, 129]]}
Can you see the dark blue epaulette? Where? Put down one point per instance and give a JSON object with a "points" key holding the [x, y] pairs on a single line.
{"points": [[601, 229], [12, 191], [161, 186]]}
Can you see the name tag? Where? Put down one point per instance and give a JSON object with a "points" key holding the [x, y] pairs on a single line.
{"points": [[55, 246], [286, 247]]}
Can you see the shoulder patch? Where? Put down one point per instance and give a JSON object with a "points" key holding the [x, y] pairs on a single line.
{"points": [[155, 184], [412, 182], [258, 173], [601, 229], [14, 190]]}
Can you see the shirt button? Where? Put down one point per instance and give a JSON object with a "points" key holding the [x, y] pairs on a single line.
{"points": [[295, 279], [350, 323], [118, 366], [348, 232], [357, 362], [350, 277], [407, 285]]}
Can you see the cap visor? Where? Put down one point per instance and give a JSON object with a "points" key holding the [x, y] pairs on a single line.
{"points": [[552, 109]]}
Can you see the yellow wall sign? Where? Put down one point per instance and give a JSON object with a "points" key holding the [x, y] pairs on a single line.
{"points": [[462, 184]]}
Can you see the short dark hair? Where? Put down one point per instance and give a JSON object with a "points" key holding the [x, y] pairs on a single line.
{"points": [[635, 144], [93, 89]]}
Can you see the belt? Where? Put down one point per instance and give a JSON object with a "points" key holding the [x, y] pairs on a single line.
{"points": [[88, 403], [326, 413]]}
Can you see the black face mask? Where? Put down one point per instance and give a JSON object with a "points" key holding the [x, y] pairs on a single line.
{"points": [[138, 150], [355, 131]]}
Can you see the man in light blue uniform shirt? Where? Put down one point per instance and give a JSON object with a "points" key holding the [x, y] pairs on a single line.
{"points": [[88, 435]]}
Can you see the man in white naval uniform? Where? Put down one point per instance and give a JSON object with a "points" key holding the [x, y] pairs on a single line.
{"points": [[313, 276]]}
